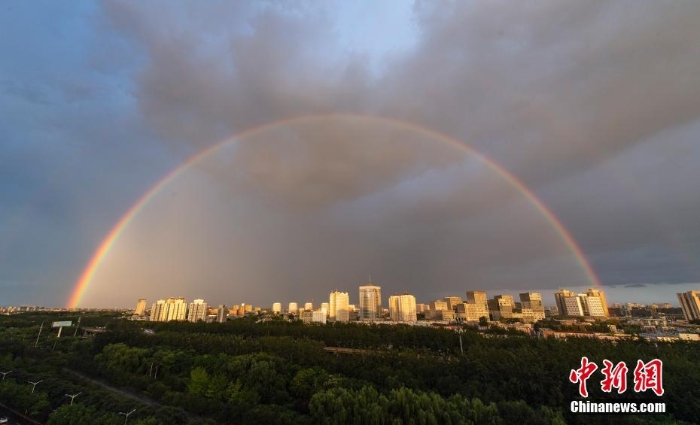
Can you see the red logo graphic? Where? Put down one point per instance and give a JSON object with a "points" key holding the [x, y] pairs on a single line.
{"points": [[615, 377], [648, 376], [581, 375]]}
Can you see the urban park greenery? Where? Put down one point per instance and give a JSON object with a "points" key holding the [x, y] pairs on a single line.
{"points": [[247, 371]]}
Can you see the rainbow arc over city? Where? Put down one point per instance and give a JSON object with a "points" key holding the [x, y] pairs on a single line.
{"points": [[108, 242]]}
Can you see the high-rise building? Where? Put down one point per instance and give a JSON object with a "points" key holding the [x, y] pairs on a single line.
{"points": [[533, 301], [140, 309], [370, 302], [501, 307], [277, 308], [468, 312], [198, 311], [309, 306], [177, 309], [402, 308], [560, 297], [293, 308], [338, 307], [452, 302], [478, 298], [170, 309], [157, 310], [319, 316], [690, 303], [477, 306], [592, 305], [222, 313], [570, 304], [592, 292]]}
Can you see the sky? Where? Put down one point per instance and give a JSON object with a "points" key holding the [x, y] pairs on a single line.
{"points": [[434, 146]]}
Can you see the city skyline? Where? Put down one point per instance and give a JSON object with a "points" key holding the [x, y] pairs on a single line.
{"points": [[253, 149]]}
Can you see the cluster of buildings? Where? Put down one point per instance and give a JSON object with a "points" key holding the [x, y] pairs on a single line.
{"points": [[591, 303], [176, 308], [401, 308], [476, 307]]}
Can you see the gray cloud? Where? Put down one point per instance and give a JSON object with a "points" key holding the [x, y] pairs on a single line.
{"points": [[594, 105]]}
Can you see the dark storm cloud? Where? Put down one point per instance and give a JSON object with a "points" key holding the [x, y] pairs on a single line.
{"points": [[560, 93], [594, 105], [551, 88]]}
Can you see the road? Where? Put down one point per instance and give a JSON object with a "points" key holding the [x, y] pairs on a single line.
{"points": [[126, 393]]}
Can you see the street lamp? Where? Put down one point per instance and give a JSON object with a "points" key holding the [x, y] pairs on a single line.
{"points": [[126, 415], [34, 384], [5, 373], [72, 396]]}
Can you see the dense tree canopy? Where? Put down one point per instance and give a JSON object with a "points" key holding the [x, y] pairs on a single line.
{"points": [[279, 372]]}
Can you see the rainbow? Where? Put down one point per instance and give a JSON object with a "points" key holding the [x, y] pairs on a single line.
{"points": [[109, 241]]}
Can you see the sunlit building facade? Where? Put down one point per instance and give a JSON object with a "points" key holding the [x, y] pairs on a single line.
{"points": [[592, 292], [477, 306], [452, 302], [690, 304], [170, 309], [198, 311], [338, 307], [402, 308], [532, 301], [370, 302], [501, 307], [222, 313], [140, 309]]}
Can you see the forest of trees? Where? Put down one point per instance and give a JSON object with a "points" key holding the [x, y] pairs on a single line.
{"points": [[280, 372]]}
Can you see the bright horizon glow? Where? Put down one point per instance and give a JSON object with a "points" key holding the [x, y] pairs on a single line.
{"points": [[108, 242]]}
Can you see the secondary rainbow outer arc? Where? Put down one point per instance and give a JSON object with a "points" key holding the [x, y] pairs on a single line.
{"points": [[118, 228]]}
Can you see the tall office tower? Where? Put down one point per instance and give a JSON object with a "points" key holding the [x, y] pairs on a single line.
{"points": [[501, 307], [402, 308], [370, 302], [277, 308], [592, 305], [452, 302], [140, 309], [533, 301], [690, 303], [592, 292], [293, 308], [198, 311], [338, 307], [478, 305], [560, 297], [222, 313], [568, 303], [157, 310], [309, 306]]}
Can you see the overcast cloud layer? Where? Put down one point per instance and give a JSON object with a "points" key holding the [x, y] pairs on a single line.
{"points": [[593, 105]]}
